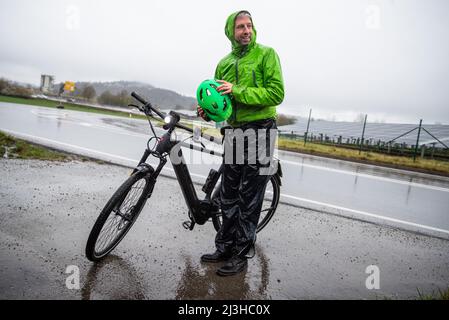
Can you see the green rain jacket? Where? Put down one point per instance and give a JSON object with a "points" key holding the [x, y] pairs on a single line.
{"points": [[256, 75]]}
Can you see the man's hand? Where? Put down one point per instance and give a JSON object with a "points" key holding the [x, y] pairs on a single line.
{"points": [[225, 88], [201, 113]]}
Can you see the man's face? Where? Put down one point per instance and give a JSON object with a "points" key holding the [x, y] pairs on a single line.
{"points": [[243, 30]]}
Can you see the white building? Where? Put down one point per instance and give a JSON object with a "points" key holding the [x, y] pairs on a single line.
{"points": [[46, 83]]}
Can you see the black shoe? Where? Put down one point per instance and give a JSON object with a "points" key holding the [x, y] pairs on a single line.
{"points": [[217, 256], [235, 265]]}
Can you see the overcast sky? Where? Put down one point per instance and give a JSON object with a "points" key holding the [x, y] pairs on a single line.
{"points": [[387, 58]]}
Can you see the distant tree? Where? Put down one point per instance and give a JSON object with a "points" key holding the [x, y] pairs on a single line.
{"points": [[284, 120], [9, 88], [122, 99], [89, 92], [125, 98], [106, 97], [3, 84]]}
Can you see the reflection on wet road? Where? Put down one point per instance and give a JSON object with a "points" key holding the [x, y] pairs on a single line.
{"points": [[116, 278], [112, 278], [201, 281]]}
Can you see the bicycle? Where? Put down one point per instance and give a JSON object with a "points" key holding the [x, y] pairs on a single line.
{"points": [[125, 205]]}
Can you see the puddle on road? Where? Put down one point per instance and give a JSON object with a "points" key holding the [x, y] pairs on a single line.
{"points": [[113, 278], [200, 281], [116, 278]]}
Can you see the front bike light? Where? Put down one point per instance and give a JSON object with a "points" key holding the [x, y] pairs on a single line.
{"points": [[168, 119], [171, 120]]}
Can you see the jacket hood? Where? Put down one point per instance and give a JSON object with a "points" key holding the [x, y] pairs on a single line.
{"points": [[229, 31]]}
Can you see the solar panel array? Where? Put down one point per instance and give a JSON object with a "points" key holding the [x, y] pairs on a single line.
{"points": [[374, 131]]}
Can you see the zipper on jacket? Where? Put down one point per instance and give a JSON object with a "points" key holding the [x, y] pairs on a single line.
{"points": [[234, 112], [254, 79], [237, 71]]}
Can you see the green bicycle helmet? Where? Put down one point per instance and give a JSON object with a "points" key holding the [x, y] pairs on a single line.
{"points": [[217, 107]]}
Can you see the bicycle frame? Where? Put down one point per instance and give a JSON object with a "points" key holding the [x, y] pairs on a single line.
{"points": [[199, 210]]}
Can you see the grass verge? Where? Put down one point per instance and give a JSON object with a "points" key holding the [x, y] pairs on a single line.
{"points": [[441, 295], [13, 148], [422, 165], [67, 105]]}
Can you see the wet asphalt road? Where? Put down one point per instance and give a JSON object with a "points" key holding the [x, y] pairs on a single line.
{"points": [[47, 210], [411, 201]]}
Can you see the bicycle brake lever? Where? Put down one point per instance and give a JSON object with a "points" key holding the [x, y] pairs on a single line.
{"points": [[134, 106], [147, 110]]}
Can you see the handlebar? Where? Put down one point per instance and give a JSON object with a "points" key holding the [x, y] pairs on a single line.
{"points": [[148, 106], [138, 98]]}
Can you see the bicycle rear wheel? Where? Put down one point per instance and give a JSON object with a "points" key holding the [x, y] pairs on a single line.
{"points": [[118, 215], [270, 203]]}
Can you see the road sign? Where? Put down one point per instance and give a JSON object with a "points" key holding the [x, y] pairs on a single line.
{"points": [[69, 86]]}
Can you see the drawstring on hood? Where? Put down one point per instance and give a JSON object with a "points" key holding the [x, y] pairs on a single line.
{"points": [[237, 48]]}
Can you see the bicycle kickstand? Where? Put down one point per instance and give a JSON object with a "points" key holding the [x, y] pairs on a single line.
{"points": [[188, 225]]}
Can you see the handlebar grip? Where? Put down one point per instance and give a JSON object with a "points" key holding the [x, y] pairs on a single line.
{"points": [[138, 98]]}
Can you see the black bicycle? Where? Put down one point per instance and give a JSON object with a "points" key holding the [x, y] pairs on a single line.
{"points": [[125, 205]]}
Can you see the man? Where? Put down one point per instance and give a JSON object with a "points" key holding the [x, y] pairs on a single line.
{"points": [[252, 75]]}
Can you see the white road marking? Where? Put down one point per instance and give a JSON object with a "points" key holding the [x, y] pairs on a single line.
{"points": [[86, 124], [91, 151], [368, 176], [367, 214]]}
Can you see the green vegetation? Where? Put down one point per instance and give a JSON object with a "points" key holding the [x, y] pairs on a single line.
{"points": [[426, 165], [69, 106], [88, 93], [12, 89], [284, 120], [121, 99], [19, 149], [441, 295]]}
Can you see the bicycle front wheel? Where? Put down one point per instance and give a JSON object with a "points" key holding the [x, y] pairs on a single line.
{"points": [[118, 215], [270, 203]]}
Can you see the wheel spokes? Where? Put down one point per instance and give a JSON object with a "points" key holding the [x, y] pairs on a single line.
{"points": [[119, 218]]}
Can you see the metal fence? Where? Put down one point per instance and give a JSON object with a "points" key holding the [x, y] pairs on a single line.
{"points": [[394, 139]]}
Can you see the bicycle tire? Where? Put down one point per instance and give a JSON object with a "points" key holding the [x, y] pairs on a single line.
{"points": [[118, 202], [276, 187]]}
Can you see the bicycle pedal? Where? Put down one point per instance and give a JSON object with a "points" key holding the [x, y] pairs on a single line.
{"points": [[188, 225]]}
